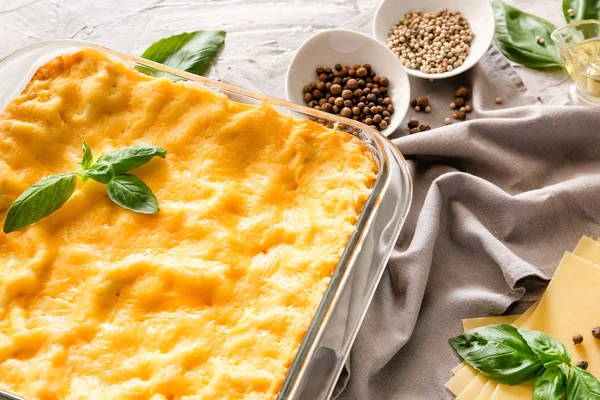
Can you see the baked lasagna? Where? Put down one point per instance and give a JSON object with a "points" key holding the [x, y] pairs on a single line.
{"points": [[208, 298]]}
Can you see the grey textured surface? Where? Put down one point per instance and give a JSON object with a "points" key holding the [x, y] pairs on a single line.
{"points": [[261, 34]]}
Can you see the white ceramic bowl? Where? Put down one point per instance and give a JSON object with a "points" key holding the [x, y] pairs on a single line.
{"points": [[479, 13], [327, 48]]}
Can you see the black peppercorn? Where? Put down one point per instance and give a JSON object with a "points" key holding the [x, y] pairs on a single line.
{"points": [[424, 127], [362, 72], [346, 94], [369, 121], [383, 81], [346, 112], [582, 364], [307, 97], [462, 92], [577, 338], [348, 103], [327, 107], [383, 124], [422, 102], [336, 89], [413, 123], [596, 332]]}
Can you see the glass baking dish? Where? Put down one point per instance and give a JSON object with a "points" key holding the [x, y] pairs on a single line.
{"points": [[327, 342]]}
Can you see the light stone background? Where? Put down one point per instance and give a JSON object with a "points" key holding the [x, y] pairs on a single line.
{"points": [[259, 32]]}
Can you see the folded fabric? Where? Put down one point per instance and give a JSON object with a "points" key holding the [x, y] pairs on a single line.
{"points": [[496, 203]]}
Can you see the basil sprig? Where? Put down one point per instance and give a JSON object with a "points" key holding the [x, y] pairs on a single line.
{"points": [[188, 51], [582, 9], [516, 36], [509, 355], [500, 353], [111, 169]]}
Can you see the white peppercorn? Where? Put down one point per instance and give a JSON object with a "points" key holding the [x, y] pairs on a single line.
{"points": [[431, 42]]}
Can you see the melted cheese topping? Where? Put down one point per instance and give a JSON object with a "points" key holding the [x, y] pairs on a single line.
{"points": [[207, 299]]}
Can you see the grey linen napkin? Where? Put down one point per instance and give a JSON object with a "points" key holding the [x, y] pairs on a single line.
{"points": [[497, 200]]}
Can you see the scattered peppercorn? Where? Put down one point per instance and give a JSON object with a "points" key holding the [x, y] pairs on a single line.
{"points": [[424, 127], [539, 97], [413, 123], [463, 109], [455, 115], [462, 115], [422, 101], [418, 108], [582, 364], [468, 108], [596, 332], [447, 121], [459, 101], [462, 92], [498, 100], [415, 130], [355, 92], [427, 109], [431, 42], [452, 106], [577, 338], [413, 102]]}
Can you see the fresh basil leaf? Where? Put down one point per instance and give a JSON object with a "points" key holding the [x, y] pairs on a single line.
{"points": [[499, 352], [549, 385], [583, 9], [189, 51], [131, 193], [39, 201], [516, 33], [102, 172], [581, 385], [131, 157], [88, 158], [545, 347]]}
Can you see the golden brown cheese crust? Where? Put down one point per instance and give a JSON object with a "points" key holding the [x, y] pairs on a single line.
{"points": [[210, 297]]}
